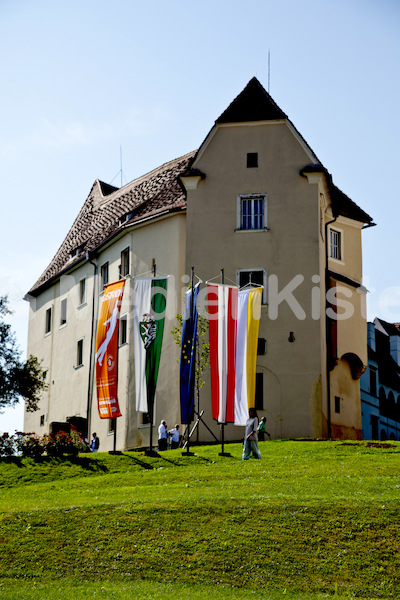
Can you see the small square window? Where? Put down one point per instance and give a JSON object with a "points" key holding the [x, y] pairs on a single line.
{"points": [[63, 315], [145, 419], [255, 277], [261, 347], [252, 160]]}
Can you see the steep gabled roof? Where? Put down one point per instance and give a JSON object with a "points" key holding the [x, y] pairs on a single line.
{"points": [[388, 328], [252, 104], [345, 207], [341, 204], [149, 196], [107, 210]]}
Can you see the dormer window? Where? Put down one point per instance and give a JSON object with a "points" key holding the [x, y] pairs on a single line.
{"points": [[76, 251], [126, 217]]}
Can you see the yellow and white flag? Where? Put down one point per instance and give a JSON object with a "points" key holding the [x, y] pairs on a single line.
{"points": [[249, 313]]}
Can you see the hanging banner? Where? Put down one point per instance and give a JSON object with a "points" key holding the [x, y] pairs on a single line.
{"points": [[222, 310], [107, 350], [249, 313], [150, 298], [188, 355]]}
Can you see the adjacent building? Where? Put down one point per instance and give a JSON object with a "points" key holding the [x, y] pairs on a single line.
{"points": [[255, 201], [380, 384]]}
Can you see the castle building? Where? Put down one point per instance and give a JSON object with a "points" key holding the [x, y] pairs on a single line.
{"points": [[255, 201]]}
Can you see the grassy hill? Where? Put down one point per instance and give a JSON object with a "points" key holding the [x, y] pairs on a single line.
{"points": [[311, 520]]}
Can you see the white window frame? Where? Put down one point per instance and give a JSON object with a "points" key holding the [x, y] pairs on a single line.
{"points": [[251, 197], [264, 272], [338, 244]]}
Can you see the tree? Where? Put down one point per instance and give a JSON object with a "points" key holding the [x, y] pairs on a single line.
{"points": [[203, 346], [17, 378]]}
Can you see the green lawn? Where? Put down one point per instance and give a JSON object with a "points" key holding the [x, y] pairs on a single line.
{"points": [[311, 520]]}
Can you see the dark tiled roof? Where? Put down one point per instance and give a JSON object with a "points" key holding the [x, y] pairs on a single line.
{"points": [[107, 188], [390, 328], [346, 207], [252, 104], [99, 219], [341, 204]]}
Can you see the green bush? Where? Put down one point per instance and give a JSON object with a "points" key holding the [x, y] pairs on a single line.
{"points": [[6, 445], [33, 446], [57, 444], [28, 444]]}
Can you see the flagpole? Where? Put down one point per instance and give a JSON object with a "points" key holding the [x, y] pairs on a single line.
{"points": [[223, 453], [194, 341], [187, 443], [151, 407]]}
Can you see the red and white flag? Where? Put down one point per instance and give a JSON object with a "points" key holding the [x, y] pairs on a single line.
{"points": [[222, 308]]}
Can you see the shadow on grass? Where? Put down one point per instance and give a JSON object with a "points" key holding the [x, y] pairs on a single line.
{"points": [[139, 462], [83, 462]]}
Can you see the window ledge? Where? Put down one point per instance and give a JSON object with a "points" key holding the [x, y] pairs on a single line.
{"points": [[338, 261], [238, 230]]}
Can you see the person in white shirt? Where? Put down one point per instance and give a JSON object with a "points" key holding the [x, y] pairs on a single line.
{"points": [[162, 436], [250, 437], [175, 436]]}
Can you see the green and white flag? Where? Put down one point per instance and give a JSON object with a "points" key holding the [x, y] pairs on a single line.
{"points": [[150, 299]]}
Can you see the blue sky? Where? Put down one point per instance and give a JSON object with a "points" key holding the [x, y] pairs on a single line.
{"points": [[80, 80]]}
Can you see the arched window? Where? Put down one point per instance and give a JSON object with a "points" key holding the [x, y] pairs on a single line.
{"points": [[397, 417], [391, 405], [383, 435], [382, 402]]}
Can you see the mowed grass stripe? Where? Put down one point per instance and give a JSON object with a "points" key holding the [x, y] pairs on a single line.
{"points": [[309, 516]]}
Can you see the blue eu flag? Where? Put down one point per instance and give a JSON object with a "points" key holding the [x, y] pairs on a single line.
{"points": [[188, 355]]}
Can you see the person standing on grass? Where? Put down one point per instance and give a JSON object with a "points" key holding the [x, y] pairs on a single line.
{"points": [[261, 429], [162, 436], [175, 436], [250, 437], [95, 443]]}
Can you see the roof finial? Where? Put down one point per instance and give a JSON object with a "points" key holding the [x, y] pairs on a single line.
{"points": [[120, 172], [269, 71]]}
